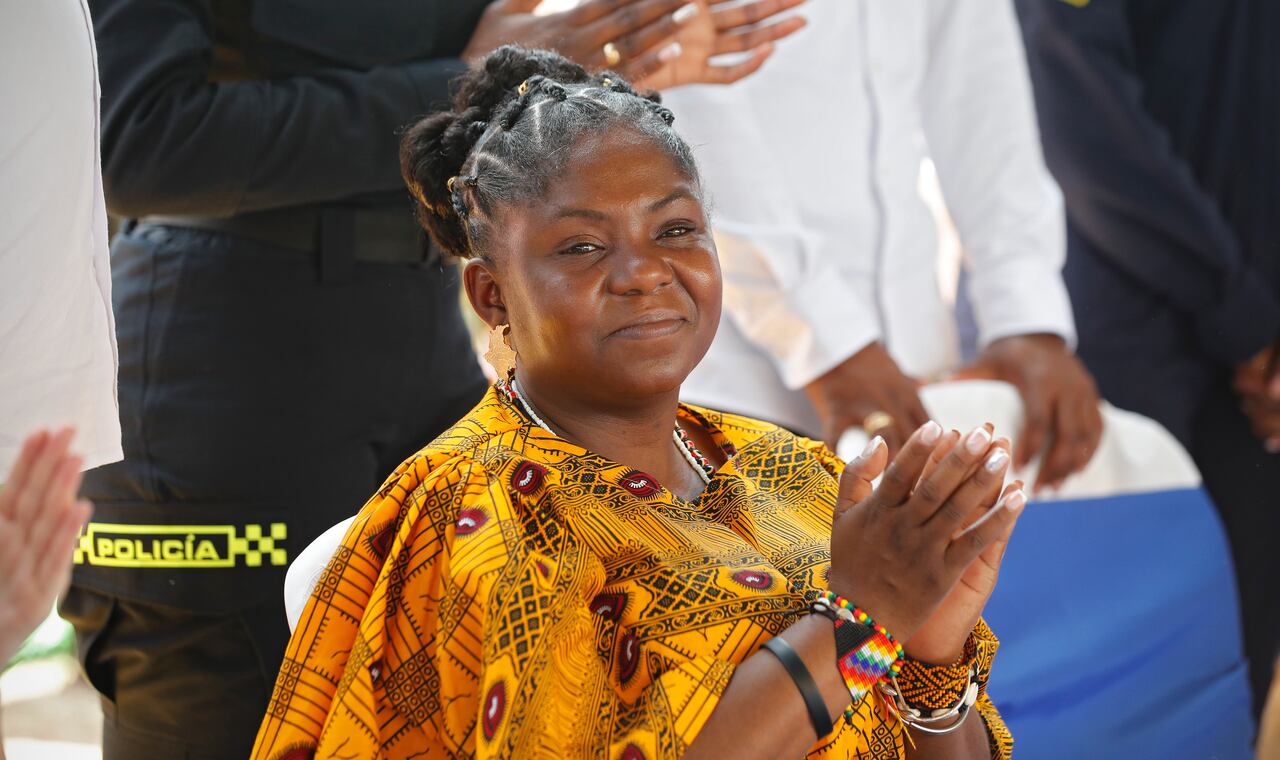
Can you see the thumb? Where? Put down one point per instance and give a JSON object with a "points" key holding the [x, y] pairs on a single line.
{"points": [[855, 481]]}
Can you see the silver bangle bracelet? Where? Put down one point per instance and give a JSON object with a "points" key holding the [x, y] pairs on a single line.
{"points": [[963, 712], [915, 718]]}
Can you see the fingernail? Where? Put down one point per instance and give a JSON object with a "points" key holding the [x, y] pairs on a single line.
{"points": [[1015, 501], [684, 13], [978, 440], [670, 52], [998, 459], [872, 447], [930, 433]]}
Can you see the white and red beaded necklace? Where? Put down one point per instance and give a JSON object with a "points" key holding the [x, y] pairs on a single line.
{"points": [[684, 444]]}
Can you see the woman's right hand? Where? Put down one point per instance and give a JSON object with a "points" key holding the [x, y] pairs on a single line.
{"points": [[900, 549], [643, 31]]}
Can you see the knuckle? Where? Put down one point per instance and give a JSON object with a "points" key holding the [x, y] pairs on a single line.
{"points": [[952, 513], [897, 478], [929, 492]]}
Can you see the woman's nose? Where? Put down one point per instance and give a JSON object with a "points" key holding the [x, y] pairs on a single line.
{"points": [[639, 270]]}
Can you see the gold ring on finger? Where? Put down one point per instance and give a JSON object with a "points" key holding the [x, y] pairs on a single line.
{"points": [[877, 421], [612, 57]]}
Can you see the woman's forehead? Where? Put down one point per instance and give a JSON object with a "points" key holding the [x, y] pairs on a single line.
{"points": [[619, 169]]}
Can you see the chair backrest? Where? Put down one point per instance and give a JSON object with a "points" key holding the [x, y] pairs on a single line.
{"points": [[307, 568]]}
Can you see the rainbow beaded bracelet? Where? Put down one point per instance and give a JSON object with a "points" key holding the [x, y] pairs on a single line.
{"points": [[866, 652]]}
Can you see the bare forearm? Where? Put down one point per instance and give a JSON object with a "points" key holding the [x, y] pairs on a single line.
{"points": [[762, 714]]}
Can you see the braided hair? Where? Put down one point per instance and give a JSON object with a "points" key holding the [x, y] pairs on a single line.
{"points": [[513, 125]]}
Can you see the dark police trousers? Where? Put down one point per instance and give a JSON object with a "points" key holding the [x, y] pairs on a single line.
{"points": [[261, 404]]}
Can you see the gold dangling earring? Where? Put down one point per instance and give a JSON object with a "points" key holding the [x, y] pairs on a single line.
{"points": [[500, 354]]}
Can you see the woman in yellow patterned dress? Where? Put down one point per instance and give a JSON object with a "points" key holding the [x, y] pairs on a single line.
{"points": [[585, 567]]}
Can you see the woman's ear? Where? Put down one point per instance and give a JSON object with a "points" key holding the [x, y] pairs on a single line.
{"points": [[484, 293]]}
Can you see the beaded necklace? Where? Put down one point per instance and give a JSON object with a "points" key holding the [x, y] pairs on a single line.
{"points": [[684, 444]]}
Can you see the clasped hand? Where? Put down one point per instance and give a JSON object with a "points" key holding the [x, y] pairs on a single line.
{"points": [[921, 552], [659, 43]]}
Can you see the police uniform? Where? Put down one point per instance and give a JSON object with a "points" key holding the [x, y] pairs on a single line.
{"points": [[286, 334]]}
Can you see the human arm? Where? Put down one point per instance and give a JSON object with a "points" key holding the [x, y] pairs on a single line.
{"points": [[1127, 191], [980, 123], [950, 487], [175, 142], [782, 256]]}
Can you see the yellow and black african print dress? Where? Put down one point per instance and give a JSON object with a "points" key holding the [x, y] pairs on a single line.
{"points": [[508, 594]]}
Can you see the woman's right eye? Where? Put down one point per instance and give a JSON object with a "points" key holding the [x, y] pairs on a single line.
{"points": [[579, 249]]}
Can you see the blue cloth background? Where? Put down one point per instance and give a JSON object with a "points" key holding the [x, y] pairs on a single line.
{"points": [[1119, 632]]}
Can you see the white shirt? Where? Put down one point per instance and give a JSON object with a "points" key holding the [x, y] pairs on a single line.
{"points": [[812, 167], [57, 333]]}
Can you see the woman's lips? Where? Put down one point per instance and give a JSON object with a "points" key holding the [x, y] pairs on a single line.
{"points": [[654, 326]]}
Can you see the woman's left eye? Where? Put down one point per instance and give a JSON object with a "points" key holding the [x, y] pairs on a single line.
{"points": [[677, 231]]}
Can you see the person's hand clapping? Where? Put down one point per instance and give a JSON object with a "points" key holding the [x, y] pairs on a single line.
{"points": [[869, 391], [921, 551], [1059, 400], [40, 519], [641, 33], [1258, 383], [719, 28]]}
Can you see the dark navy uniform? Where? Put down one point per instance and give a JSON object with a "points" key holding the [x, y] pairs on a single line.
{"points": [[286, 334], [1161, 121]]}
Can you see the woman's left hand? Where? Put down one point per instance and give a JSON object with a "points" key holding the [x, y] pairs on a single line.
{"points": [[941, 639], [719, 29]]}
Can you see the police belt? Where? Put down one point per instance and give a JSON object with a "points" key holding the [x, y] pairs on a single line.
{"points": [[336, 235]]}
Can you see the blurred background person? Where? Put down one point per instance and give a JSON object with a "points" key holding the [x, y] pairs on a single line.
{"points": [[835, 312], [1160, 121], [287, 335]]}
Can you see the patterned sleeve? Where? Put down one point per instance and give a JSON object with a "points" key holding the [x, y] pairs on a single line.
{"points": [[934, 686], [830, 461], [331, 687], [451, 623]]}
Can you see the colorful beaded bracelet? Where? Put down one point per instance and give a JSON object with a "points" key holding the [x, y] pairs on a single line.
{"points": [[857, 614], [866, 653]]}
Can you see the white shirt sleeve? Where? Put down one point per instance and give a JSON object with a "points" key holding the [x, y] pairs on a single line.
{"points": [[785, 293], [783, 230], [979, 120], [57, 333]]}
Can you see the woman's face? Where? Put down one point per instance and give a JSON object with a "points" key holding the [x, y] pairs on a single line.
{"points": [[610, 280]]}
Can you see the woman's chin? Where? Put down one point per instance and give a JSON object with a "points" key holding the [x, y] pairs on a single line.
{"points": [[655, 377]]}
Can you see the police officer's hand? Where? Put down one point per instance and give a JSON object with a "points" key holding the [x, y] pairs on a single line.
{"points": [[720, 28], [641, 32], [40, 519]]}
